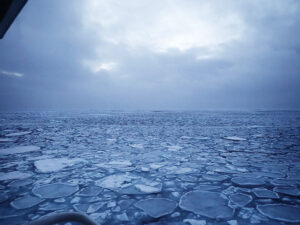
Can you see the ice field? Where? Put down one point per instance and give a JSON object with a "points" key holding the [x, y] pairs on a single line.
{"points": [[159, 167]]}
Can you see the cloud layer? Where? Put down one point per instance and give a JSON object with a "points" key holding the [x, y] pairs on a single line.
{"points": [[146, 54]]}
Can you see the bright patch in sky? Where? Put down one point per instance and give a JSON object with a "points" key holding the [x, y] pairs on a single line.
{"points": [[96, 66], [164, 25]]}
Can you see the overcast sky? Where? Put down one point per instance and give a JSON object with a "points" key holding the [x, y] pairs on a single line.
{"points": [[152, 54]]}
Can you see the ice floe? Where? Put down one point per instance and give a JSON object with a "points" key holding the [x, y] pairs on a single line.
{"points": [[281, 212], [90, 191], [56, 190], [293, 191], [137, 146], [248, 181], [18, 134], [205, 203], [264, 193], [157, 207], [6, 139], [235, 138], [26, 202], [129, 184], [194, 222], [56, 164], [14, 175], [240, 199], [19, 149]]}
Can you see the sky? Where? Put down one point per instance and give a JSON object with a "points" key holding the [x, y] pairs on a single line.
{"points": [[152, 55]]}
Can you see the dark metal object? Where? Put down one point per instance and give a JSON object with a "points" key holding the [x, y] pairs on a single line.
{"points": [[9, 9], [64, 217]]}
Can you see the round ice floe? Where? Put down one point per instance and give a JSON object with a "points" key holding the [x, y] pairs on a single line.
{"points": [[214, 177], [281, 212], [240, 199], [293, 191], [248, 181], [205, 203], [26, 202], [157, 207], [264, 193], [19, 149], [90, 191], [56, 190], [129, 184], [14, 175], [56, 164]]}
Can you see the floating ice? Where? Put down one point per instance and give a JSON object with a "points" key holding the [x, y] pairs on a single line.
{"points": [[240, 199], [90, 191], [52, 206], [178, 170], [14, 175], [205, 203], [194, 222], [264, 193], [174, 148], [5, 139], [293, 191], [115, 164], [157, 207], [19, 149], [18, 134], [88, 208], [235, 138], [55, 164], [56, 190], [281, 212], [129, 184], [26, 202], [20, 183], [214, 177], [248, 181], [138, 146]]}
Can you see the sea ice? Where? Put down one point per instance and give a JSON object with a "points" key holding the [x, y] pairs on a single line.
{"points": [[214, 177], [18, 134], [194, 222], [240, 199], [19, 149], [137, 146], [281, 212], [157, 207], [5, 139], [235, 138], [129, 184], [14, 175], [56, 164], [264, 193], [26, 202], [56, 190], [174, 148], [205, 203], [90, 191], [293, 191], [248, 181]]}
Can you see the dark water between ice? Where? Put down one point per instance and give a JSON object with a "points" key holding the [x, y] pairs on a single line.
{"points": [[152, 167]]}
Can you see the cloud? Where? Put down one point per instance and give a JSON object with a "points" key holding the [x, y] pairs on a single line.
{"points": [[153, 55], [9, 73]]}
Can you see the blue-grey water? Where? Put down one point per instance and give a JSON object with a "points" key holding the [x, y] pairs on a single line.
{"points": [[152, 167]]}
